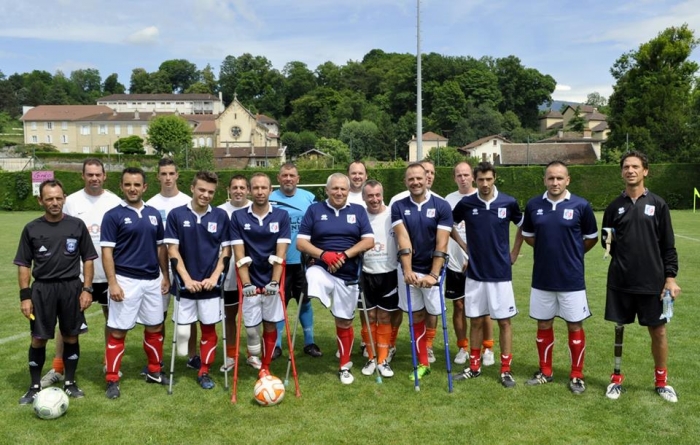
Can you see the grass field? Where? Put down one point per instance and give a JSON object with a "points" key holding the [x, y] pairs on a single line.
{"points": [[478, 411]]}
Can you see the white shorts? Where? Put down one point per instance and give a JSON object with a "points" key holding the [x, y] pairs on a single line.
{"points": [[206, 311], [142, 304], [332, 290], [262, 308], [421, 298], [483, 298], [570, 306]]}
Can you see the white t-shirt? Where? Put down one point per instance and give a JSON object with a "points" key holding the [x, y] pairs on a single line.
{"points": [[382, 257], [356, 198], [165, 204], [230, 281], [91, 209], [457, 256]]}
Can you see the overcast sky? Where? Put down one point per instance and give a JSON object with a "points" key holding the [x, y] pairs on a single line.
{"points": [[576, 42]]}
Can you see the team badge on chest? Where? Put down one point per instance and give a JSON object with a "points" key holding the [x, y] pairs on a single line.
{"points": [[153, 220], [274, 227], [211, 227], [430, 213], [568, 214], [649, 210], [351, 219], [502, 213], [71, 245]]}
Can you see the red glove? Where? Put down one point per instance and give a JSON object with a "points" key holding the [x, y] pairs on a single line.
{"points": [[330, 258]]}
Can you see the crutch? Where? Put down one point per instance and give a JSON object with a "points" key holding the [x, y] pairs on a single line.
{"points": [[296, 322], [176, 307], [238, 338], [290, 343], [416, 382], [222, 306], [444, 327], [364, 307]]}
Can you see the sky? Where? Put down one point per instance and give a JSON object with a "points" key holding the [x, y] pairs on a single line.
{"points": [[573, 41]]}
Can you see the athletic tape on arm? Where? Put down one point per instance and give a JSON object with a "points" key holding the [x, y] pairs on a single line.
{"points": [[243, 261]]}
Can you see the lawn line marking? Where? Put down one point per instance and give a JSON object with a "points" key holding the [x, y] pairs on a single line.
{"points": [[687, 237], [12, 338]]}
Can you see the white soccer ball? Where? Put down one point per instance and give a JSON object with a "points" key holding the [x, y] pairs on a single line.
{"points": [[268, 391], [51, 403]]}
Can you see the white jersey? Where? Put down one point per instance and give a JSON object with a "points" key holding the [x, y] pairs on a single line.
{"points": [[382, 257], [458, 257], [91, 209], [356, 198], [165, 204], [230, 281]]}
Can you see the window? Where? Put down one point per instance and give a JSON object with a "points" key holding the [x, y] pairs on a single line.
{"points": [[33, 125], [104, 148], [86, 150], [49, 139], [208, 142], [35, 139], [201, 142], [85, 129], [64, 125], [102, 129], [144, 129], [262, 163], [64, 138], [48, 125], [129, 129], [495, 142], [117, 129]]}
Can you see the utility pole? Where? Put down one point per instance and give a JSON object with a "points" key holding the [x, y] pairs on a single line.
{"points": [[419, 92]]}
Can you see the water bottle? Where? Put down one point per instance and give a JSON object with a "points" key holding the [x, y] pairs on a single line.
{"points": [[668, 306]]}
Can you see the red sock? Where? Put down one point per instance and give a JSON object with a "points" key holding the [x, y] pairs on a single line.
{"points": [[269, 342], [207, 347], [153, 346], [577, 348], [345, 337], [660, 375], [505, 362], [419, 334], [475, 359], [58, 365], [113, 357], [545, 345], [617, 378], [430, 336]]}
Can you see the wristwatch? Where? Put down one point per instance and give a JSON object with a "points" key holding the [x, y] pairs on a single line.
{"points": [[88, 289]]}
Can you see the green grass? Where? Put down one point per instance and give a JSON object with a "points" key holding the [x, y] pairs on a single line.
{"points": [[478, 411]]}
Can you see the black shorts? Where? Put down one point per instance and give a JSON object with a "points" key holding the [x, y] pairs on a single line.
{"points": [[454, 285], [380, 290], [57, 300], [100, 293], [622, 307], [294, 283], [230, 297]]}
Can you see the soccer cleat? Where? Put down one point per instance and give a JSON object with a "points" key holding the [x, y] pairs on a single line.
{"points": [[29, 396], [431, 355], [667, 393], [363, 350], [194, 362], [423, 370], [51, 378], [540, 379], [113, 391], [577, 386], [507, 379], [614, 390], [72, 390], [254, 361], [228, 365], [385, 370], [277, 353], [313, 350], [205, 381], [144, 370], [392, 353], [487, 358], [157, 377], [462, 356], [369, 368], [467, 374], [345, 375]]}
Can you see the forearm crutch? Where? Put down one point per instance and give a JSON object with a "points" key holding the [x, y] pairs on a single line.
{"points": [[296, 321], [364, 307], [416, 381], [222, 306], [176, 308], [241, 298], [289, 337], [444, 327]]}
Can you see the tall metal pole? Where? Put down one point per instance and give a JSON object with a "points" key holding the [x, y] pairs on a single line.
{"points": [[419, 92]]}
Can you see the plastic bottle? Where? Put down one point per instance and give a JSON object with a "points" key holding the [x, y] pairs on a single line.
{"points": [[668, 306]]}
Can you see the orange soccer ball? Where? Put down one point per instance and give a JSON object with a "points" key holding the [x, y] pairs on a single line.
{"points": [[268, 391]]}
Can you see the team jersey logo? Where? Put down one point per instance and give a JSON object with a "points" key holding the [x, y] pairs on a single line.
{"points": [[378, 247], [153, 220], [568, 214], [351, 219], [246, 226], [649, 210], [621, 210], [274, 227], [324, 217], [540, 212], [186, 223], [211, 227], [475, 212], [430, 213], [502, 213], [407, 212], [71, 245], [94, 229], [127, 220]]}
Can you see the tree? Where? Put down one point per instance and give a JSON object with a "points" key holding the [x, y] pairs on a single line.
{"points": [[299, 80], [577, 122], [523, 89], [290, 139], [337, 149], [130, 145], [361, 137], [449, 105], [112, 85], [88, 83], [652, 101], [169, 134], [140, 81], [196, 158], [180, 73], [445, 156], [594, 99]]}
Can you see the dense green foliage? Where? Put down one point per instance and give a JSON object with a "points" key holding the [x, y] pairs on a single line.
{"points": [[130, 145], [169, 134]]}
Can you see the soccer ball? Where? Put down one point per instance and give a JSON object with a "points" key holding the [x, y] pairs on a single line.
{"points": [[268, 391], [50, 403]]}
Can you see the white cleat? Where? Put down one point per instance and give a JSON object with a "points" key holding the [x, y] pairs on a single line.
{"points": [[487, 358], [667, 393], [345, 375], [254, 361], [369, 368], [228, 365], [50, 378], [462, 356], [613, 392], [385, 370], [431, 356]]}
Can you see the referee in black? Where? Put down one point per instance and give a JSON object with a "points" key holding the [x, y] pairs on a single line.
{"points": [[55, 243]]}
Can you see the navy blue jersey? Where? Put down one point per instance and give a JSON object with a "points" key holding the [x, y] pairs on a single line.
{"points": [[296, 206], [559, 229], [487, 225], [135, 235], [55, 248], [336, 231], [260, 237], [199, 239], [422, 221]]}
